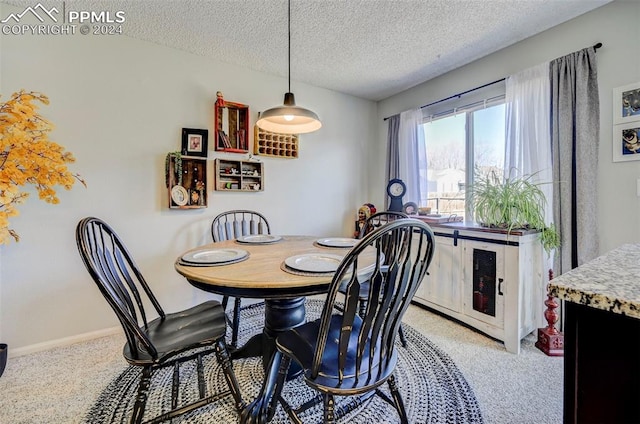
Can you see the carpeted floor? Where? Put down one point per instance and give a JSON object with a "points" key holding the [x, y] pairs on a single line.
{"points": [[60, 385], [434, 390]]}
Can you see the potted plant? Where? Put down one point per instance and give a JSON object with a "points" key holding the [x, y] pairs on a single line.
{"points": [[516, 202]]}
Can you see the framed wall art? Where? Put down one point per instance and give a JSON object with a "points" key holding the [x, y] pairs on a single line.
{"points": [[626, 103], [195, 142], [626, 141]]}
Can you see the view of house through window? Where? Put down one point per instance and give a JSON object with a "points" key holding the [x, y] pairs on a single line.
{"points": [[456, 144]]}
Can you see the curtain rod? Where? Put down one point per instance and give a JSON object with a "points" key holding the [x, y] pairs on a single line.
{"points": [[595, 47], [466, 107]]}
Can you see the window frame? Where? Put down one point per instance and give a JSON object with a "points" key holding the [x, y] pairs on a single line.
{"points": [[469, 111]]}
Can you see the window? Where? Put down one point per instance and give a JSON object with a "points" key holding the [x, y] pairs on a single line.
{"points": [[456, 143]]}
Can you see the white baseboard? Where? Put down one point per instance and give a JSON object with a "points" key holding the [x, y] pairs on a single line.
{"points": [[65, 341]]}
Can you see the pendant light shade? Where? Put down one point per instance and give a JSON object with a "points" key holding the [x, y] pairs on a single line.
{"points": [[289, 118]]}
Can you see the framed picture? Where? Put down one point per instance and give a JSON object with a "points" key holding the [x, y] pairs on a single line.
{"points": [[195, 142], [626, 103], [626, 142]]}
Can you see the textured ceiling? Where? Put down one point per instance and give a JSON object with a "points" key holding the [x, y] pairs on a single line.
{"points": [[368, 48]]}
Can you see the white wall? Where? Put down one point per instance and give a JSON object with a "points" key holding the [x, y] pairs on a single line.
{"points": [[616, 26], [119, 105]]}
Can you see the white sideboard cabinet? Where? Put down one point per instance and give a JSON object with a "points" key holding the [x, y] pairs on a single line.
{"points": [[487, 279]]}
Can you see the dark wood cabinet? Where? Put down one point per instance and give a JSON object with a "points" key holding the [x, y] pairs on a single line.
{"points": [[601, 338], [601, 366]]}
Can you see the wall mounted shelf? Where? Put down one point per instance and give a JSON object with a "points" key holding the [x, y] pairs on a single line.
{"points": [[231, 126], [266, 143], [238, 175], [186, 182]]}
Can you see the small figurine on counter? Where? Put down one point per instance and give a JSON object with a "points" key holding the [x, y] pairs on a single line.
{"points": [[364, 212]]}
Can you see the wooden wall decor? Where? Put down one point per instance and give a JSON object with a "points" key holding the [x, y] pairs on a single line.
{"points": [[238, 175], [231, 126], [186, 179], [266, 143]]}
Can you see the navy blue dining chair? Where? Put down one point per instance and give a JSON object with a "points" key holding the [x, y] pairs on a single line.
{"points": [[169, 340], [230, 225], [346, 353]]}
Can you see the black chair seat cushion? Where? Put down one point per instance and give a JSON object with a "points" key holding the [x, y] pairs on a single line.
{"points": [[300, 344], [199, 325]]}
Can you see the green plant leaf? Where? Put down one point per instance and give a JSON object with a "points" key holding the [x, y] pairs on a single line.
{"points": [[512, 203]]}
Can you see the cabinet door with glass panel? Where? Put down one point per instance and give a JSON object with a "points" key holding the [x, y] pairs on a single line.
{"points": [[484, 288]]}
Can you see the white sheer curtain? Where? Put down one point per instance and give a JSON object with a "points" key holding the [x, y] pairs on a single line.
{"points": [[411, 152], [528, 135]]}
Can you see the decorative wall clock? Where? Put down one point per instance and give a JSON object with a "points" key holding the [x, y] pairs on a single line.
{"points": [[396, 189]]}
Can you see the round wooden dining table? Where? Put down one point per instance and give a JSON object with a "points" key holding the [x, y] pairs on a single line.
{"points": [[264, 275], [261, 275]]}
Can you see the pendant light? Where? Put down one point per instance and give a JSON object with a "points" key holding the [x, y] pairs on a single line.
{"points": [[289, 118]]}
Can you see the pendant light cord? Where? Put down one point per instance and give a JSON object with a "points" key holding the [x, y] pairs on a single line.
{"points": [[289, 32]]}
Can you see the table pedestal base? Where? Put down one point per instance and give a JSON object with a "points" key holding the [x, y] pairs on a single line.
{"points": [[279, 315]]}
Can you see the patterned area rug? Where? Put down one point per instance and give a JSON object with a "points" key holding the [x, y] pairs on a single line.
{"points": [[432, 387]]}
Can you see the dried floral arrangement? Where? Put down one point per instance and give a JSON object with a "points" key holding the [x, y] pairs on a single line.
{"points": [[28, 157]]}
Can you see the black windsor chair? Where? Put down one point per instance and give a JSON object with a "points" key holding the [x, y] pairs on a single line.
{"points": [[231, 225], [344, 353], [169, 340], [377, 220]]}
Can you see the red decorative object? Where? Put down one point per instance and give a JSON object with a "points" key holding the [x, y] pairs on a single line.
{"points": [[550, 340]]}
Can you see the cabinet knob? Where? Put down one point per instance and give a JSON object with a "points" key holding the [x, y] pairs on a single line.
{"points": [[500, 281]]}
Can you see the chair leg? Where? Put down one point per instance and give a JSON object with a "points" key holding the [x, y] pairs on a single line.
{"points": [[329, 409], [222, 354], [403, 339], [259, 411], [283, 370], [224, 302], [397, 398], [141, 398], [236, 322], [175, 386]]}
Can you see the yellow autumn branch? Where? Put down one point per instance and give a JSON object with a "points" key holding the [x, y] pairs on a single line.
{"points": [[27, 156]]}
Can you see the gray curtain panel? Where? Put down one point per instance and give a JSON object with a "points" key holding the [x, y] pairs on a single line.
{"points": [[575, 130], [393, 150]]}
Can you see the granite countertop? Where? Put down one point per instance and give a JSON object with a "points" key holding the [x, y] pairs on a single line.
{"points": [[610, 282]]}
